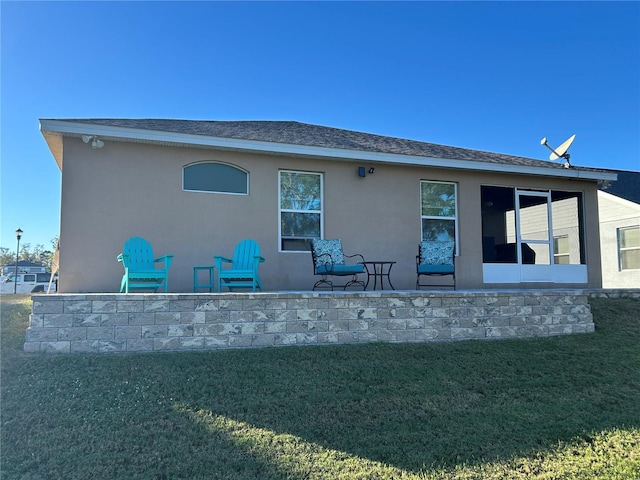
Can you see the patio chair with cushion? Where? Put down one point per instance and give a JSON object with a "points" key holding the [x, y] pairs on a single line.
{"points": [[435, 258], [329, 260]]}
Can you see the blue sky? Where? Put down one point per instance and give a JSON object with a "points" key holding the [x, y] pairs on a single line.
{"points": [[494, 76]]}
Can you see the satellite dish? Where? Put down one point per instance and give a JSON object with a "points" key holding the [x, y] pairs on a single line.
{"points": [[561, 151]]}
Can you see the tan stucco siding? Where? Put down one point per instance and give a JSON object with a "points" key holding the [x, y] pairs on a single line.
{"points": [[125, 190]]}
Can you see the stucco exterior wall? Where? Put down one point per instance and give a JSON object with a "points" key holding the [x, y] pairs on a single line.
{"points": [[128, 189]]}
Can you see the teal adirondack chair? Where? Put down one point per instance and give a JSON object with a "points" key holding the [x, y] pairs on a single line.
{"points": [[244, 267], [140, 271]]}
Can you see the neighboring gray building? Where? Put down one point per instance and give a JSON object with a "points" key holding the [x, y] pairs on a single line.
{"points": [[23, 267], [619, 212]]}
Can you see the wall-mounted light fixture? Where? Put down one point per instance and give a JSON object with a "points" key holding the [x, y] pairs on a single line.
{"points": [[95, 141], [362, 171]]}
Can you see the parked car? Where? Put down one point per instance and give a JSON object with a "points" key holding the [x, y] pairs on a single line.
{"points": [[27, 283]]}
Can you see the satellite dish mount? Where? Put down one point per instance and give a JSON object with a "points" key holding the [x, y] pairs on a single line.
{"points": [[561, 151]]}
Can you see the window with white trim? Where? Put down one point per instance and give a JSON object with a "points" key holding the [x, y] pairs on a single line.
{"points": [[439, 215], [561, 254], [300, 209], [629, 248], [215, 177]]}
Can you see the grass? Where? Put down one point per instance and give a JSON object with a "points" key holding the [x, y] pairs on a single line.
{"points": [[544, 408]]}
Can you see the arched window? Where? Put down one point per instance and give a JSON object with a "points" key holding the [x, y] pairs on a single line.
{"points": [[215, 177]]}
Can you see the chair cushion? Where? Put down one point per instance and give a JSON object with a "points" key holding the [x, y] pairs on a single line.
{"points": [[436, 253], [327, 252], [340, 269], [436, 269]]}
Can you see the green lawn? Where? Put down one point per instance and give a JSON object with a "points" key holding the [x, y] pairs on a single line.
{"points": [[546, 408]]}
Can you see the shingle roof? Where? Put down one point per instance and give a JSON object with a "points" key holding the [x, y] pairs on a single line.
{"points": [[627, 186], [304, 134], [24, 263]]}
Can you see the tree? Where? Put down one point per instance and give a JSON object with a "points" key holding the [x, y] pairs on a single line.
{"points": [[37, 254], [7, 257]]}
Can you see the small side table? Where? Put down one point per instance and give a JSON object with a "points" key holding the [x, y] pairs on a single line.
{"points": [[211, 285], [378, 270]]}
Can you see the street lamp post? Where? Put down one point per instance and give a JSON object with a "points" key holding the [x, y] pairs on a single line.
{"points": [[15, 280]]}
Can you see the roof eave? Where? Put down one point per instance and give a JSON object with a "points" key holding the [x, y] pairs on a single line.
{"points": [[50, 128]]}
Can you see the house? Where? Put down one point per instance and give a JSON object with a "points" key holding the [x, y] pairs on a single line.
{"points": [[619, 212], [24, 266], [196, 188]]}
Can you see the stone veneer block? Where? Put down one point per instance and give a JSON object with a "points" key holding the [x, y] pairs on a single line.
{"points": [[240, 315], [100, 333], [240, 340], [55, 347], [139, 345], [234, 304], [130, 306], [32, 347], [104, 306], [47, 306], [263, 340], [180, 331], [127, 332], [58, 320], [36, 320], [41, 334], [156, 306], [77, 306], [206, 330], [275, 327], [263, 315], [182, 306], [216, 341], [72, 334], [115, 319], [112, 346]]}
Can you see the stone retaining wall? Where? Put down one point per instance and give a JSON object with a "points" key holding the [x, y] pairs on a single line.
{"points": [[633, 293], [105, 323]]}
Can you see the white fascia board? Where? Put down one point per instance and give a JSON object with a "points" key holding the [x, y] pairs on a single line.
{"points": [[78, 128]]}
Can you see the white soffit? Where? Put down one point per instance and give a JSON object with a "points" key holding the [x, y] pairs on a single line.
{"points": [[77, 129]]}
